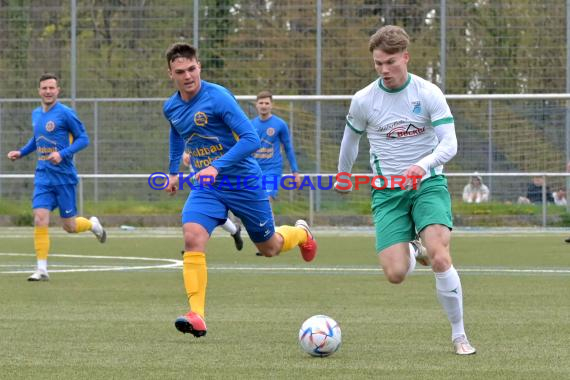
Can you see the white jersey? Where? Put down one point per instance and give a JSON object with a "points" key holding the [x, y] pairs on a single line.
{"points": [[399, 124]]}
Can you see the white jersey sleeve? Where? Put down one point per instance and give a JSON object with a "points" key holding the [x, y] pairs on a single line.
{"points": [[348, 150], [445, 150], [353, 130], [356, 118], [444, 127]]}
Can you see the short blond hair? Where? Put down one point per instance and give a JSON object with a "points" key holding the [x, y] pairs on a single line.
{"points": [[265, 94], [390, 39]]}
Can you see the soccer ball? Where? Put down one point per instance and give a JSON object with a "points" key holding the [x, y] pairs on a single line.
{"points": [[320, 336]]}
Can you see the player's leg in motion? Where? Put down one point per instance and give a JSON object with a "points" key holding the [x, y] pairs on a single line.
{"points": [[65, 195], [286, 238], [235, 232], [399, 260], [80, 224], [254, 210], [41, 244], [195, 275], [448, 285]]}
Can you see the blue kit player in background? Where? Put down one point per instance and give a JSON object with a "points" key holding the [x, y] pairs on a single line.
{"points": [[206, 118], [58, 135], [273, 133]]}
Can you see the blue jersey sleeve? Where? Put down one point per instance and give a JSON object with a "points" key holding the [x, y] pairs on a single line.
{"points": [[286, 141], [238, 122], [80, 138], [176, 150], [29, 147]]}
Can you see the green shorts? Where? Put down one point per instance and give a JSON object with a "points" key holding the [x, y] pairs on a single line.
{"points": [[401, 214]]}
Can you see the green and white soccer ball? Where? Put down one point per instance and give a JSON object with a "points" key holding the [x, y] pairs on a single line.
{"points": [[320, 336]]}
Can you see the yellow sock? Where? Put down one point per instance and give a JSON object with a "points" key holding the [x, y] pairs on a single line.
{"points": [[292, 236], [41, 242], [82, 224], [195, 280]]}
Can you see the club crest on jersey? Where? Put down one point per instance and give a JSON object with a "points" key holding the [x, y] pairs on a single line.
{"points": [[417, 107], [201, 119], [270, 131], [402, 131], [50, 126]]}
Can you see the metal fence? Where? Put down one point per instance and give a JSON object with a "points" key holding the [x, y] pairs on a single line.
{"points": [[351, 210], [516, 134], [103, 48]]}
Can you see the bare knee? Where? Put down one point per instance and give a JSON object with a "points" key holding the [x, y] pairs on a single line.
{"points": [[195, 240], [41, 220], [68, 228], [441, 261], [271, 247], [269, 251], [394, 277]]}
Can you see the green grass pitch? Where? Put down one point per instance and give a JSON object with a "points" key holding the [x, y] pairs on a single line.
{"points": [[89, 322]]}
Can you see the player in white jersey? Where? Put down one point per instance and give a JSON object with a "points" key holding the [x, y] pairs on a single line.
{"points": [[412, 134]]}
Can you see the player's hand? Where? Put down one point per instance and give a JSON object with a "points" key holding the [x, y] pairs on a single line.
{"points": [[342, 188], [14, 155], [172, 184], [186, 159], [297, 179], [207, 176], [343, 184], [414, 176], [54, 158]]}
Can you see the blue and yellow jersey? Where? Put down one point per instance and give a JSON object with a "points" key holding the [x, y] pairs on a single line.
{"points": [[273, 132], [57, 130], [215, 131]]}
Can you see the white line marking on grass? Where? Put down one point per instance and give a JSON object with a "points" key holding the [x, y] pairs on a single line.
{"points": [[176, 264], [378, 270], [80, 268]]}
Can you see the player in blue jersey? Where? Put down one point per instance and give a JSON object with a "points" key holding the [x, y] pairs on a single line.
{"points": [[58, 135], [207, 119], [273, 133]]}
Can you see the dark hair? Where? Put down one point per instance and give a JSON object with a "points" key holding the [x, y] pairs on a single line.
{"points": [[391, 39], [180, 50], [265, 94], [46, 76]]}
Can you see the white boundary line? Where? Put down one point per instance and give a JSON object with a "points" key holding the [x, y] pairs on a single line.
{"points": [[175, 264], [171, 263], [378, 270]]}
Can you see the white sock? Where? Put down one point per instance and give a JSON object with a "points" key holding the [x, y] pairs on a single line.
{"points": [[450, 295], [229, 226], [412, 260], [42, 265]]}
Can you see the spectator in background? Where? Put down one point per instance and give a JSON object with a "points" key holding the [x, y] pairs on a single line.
{"points": [[534, 192], [475, 191], [559, 197]]}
